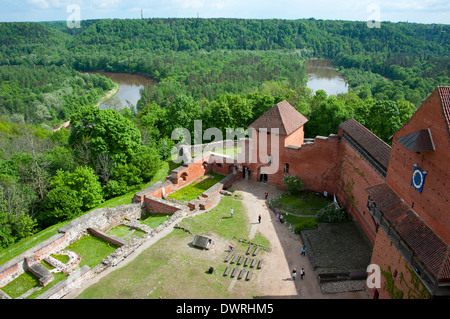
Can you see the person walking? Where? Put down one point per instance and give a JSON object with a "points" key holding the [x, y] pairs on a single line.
{"points": [[294, 273], [302, 273], [259, 218], [266, 195], [303, 251], [231, 212], [278, 217]]}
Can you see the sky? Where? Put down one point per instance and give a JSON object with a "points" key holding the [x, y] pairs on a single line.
{"points": [[419, 11]]}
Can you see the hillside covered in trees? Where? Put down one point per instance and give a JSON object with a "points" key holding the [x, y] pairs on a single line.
{"points": [[226, 72]]}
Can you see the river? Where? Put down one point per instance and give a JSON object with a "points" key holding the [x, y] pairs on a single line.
{"points": [[323, 76], [130, 86]]}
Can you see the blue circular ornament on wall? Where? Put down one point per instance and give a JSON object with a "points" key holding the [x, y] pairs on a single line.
{"points": [[418, 179]]}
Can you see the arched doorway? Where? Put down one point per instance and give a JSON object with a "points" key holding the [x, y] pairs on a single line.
{"points": [[263, 178], [246, 173]]}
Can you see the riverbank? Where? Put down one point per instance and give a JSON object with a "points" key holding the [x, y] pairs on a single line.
{"points": [[110, 94]]}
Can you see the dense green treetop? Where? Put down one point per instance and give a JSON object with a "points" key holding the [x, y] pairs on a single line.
{"points": [[226, 72]]}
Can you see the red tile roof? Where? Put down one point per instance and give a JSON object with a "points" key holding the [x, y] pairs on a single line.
{"points": [[371, 143], [282, 116], [444, 94], [430, 249]]}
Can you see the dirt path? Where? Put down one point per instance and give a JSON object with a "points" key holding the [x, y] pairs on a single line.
{"points": [[275, 278]]}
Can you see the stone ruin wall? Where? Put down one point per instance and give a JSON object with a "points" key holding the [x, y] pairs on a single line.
{"points": [[99, 218], [150, 199]]}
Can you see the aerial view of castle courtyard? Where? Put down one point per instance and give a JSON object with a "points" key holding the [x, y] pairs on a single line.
{"points": [[208, 150]]}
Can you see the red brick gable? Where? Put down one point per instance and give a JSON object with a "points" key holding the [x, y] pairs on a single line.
{"points": [[282, 116], [430, 249]]}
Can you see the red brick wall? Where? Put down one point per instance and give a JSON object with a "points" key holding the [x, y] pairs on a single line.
{"points": [[355, 176], [316, 165], [397, 273], [296, 138], [58, 243], [432, 204], [161, 206]]}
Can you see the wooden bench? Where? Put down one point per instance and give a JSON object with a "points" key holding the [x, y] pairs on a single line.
{"points": [[249, 250], [253, 263], [256, 251], [249, 275], [233, 273], [227, 270], [228, 257], [241, 273], [260, 263], [240, 260], [234, 258], [247, 261]]}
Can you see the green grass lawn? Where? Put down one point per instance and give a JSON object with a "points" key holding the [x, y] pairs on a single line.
{"points": [[195, 189], [119, 231], [27, 281], [154, 220], [306, 204], [171, 268], [218, 220], [230, 151], [21, 285], [92, 250]]}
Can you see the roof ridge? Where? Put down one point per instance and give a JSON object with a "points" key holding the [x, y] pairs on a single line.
{"points": [[283, 116], [381, 140]]}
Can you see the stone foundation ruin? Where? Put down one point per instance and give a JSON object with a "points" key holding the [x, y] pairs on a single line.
{"points": [[99, 221]]}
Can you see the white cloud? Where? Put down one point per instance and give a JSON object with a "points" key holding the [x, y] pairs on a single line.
{"points": [[40, 3], [106, 4], [413, 5]]}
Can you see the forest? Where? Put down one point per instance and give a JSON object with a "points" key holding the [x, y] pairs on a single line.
{"points": [[225, 72]]}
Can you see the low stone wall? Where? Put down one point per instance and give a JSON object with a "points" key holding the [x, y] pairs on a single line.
{"points": [[98, 218], [111, 239], [149, 199], [162, 206], [209, 147], [17, 266], [44, 275], [65, 286]]}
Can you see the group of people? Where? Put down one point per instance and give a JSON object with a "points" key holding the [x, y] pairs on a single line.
{"points": [[302, 271], [280, 218], [294, 273]]}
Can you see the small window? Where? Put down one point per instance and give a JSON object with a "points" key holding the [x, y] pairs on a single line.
{"points": [[286, 168]]}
